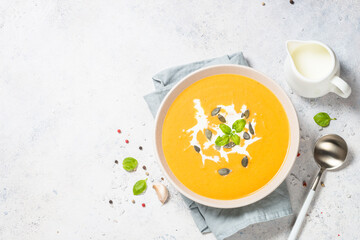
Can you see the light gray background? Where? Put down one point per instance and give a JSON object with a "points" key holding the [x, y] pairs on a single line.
{"points": [[73, 72]]}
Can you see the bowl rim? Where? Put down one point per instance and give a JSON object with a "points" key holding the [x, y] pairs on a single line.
{"points": [[242, 71]]}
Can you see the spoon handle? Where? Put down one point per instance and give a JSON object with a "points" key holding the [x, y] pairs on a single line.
{"points": [[301, 216]]}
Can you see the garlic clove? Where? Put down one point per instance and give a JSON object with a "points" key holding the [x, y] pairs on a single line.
{"points": [[162, 192]]}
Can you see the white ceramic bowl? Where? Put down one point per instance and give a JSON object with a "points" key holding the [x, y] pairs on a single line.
{"points": [[257, 76]]}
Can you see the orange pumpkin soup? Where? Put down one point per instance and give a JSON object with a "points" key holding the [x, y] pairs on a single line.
{"points": [[225, 136]]}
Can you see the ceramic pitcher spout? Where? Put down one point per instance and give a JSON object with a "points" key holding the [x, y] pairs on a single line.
{"points": [[292, 45]]}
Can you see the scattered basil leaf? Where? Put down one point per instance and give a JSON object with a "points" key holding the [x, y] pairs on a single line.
{"points": [[323, 119], [221, 141], [139, 187], [239, 125], [235, 138], [225, 128], [130, 164]]}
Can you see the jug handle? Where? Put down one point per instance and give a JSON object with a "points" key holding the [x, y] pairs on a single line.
{"points": [[340, 87]]}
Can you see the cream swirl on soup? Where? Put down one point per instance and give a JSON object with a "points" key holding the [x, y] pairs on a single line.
{"points": [[231, 115]]}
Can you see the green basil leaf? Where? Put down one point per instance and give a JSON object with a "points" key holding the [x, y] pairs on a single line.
{"points": [[239, 125], [235, 138], [221, 141], [139, 187], [130, 164], [225, 128], [323, 119]]}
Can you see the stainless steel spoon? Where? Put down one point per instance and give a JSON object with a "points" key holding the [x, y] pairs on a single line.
{"points": [[330, 153]]}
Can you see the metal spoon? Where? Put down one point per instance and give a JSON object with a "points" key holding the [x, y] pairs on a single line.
{"points": [[330, 153]]}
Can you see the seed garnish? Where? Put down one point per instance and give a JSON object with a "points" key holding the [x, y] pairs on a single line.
{"points": [[230, 145], [221, 118], [251, 129], [197, 149], [247, 113], [224, 171], [208, 134], [245, 161], [246, 136], [215, 111]]}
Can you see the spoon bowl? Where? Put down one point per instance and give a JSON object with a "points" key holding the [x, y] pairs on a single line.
{"points": [[330, 152]]}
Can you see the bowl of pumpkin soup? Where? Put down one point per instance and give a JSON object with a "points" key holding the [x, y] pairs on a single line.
{"points": [[226, 136]]}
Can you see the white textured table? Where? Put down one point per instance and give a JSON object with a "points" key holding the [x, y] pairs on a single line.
{"points": [[73, 72]]}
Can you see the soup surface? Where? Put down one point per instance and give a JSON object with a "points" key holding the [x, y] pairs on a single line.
{"points": [[202, 150]]}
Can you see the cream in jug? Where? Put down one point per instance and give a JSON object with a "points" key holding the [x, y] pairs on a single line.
{"points": [[312, 70]]}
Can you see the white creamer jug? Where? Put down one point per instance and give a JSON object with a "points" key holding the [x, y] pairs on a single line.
{"points": [[312, 70]]}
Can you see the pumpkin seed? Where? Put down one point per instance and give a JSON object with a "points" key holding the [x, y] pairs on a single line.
{"points": [[215, 111], [217, 147], [230, 145], [197, 149], [246, 136], [246, 114], [224, 171], [245, 161], [208, 134], [251, 130], [221, 118]]}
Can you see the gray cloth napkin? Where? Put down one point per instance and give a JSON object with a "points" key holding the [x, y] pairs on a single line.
{"points": [[221, 222]]}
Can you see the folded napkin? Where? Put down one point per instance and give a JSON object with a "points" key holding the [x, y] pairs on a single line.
{"points": [[221, 222]]}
